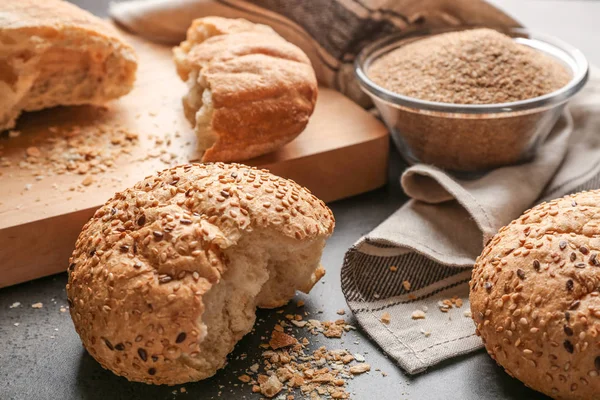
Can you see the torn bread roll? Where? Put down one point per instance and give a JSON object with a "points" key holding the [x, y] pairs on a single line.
{"points": [[166, 277], [53, 53], [535, 297], [250, 90]]}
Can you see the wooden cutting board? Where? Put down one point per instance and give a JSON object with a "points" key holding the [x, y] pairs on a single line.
{"points": [[63, 163]]}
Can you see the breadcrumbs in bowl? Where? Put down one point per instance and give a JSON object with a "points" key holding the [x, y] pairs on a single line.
{"points": [[470, 100]]}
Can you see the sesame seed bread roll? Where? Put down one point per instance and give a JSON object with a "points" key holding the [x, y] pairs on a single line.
{"points": [[250, 90], [166, 277], [535, 297], [53, 53]]}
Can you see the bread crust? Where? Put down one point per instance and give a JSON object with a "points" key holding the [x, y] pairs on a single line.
{"points": [[40, 41], [263, 88], [144, 264], [535, 297]]}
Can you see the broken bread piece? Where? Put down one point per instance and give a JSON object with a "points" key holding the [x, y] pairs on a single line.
{"points": [[250, 90], [53, 53], [166, 276]]}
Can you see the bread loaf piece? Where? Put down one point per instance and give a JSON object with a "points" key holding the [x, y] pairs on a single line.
{"points": [[53, 53], [250, 91], [166, 276], [535, 297]]}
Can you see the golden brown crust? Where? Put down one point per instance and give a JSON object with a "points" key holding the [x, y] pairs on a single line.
{"points": [[59, 54], [535, 297], [263, 88], [39, 17], [143, 264]]}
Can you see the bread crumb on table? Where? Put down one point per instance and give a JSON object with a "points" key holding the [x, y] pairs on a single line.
{"points": [[386, 318], [418, 314], [37, 305], [360, 368]]}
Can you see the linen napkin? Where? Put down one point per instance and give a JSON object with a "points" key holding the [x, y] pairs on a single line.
{"points": [[330, 32], [418, 262], [407, 281]]}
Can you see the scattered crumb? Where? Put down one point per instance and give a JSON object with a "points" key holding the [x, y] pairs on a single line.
{"points": [[37, 305], [271, 386], [425, 333], [14, 134], [87, 181], [16, 324], [360, 368], [393, 268], [63, 309], [406, 285], [334, 329], [468, 314], [447, 304], [280, 340], [300, 303], [183, 390], [386, 318], [14, 305], [33, 152], [418, 314], [341, 312], [288, 366]]}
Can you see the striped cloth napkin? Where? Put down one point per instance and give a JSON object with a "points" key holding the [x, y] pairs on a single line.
{"points": [[417, 263], [407, 281]]}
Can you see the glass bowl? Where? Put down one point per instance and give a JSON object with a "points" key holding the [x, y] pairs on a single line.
{"points": [[471, 137]]}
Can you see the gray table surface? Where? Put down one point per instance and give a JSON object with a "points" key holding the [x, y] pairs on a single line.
{"points": [[42, 357]]}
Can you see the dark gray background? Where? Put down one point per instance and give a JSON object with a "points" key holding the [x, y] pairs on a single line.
{"points": [[42, 357]]}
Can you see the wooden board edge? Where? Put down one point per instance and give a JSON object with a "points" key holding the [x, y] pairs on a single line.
{"points": [[27, 255]]}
